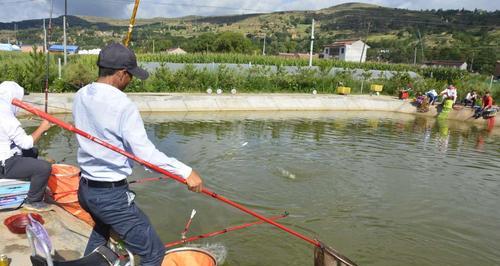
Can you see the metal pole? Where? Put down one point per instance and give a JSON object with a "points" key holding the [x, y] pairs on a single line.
{"points": [[48, 59], [415, 56], [491, 82], [312, 45], [59, 67], [364, 43], [264, 46], [45, 48], [421, 44], [64, 29]]}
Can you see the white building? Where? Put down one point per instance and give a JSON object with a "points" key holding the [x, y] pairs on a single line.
{"points": [[346, 50], [9, 47], [91, 51]]}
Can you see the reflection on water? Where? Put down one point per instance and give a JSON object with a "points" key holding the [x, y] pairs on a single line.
{"points": [[384, 189]]}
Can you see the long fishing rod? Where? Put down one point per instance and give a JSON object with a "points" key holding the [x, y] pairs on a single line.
{"points": [[223, 231], [148, 179], [205, 191], [48, 57], [84, 134], [131, 24]]}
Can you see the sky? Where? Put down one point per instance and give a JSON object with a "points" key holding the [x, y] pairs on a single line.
{"points": [[16, 10]]}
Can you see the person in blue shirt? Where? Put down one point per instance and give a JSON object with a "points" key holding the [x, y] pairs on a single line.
{"points": [[104, 111]]}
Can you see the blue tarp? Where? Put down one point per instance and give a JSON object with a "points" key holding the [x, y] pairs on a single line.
{"points": [[72, 49]]}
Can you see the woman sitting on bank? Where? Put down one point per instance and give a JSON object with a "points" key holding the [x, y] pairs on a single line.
{"points": [[18, 158]]}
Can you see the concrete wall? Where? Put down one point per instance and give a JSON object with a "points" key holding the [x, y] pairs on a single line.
{"points": [[354, 51], [183, 102]]}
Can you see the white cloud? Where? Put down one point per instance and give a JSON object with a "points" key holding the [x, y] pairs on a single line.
{"points": [[14, 10]]}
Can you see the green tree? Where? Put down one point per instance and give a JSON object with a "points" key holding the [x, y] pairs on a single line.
{"points": [[232, 42], [36, 71]]}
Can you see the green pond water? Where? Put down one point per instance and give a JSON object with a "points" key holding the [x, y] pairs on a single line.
{"points": [[381, 188]]}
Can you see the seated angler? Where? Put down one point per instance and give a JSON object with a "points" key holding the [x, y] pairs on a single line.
{"points": [[18, 158]]}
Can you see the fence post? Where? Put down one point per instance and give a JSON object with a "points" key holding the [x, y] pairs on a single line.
{"points": [[59, 66]]}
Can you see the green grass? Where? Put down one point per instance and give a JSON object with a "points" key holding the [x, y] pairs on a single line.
{"points": [[29, 71]]}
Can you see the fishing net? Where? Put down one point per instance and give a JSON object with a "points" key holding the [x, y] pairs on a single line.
{"points": [[327, 256], [218, 250], [188, 256]]}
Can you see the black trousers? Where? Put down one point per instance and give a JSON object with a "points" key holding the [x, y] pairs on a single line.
{"points": [[114, 208], [27, 167]]}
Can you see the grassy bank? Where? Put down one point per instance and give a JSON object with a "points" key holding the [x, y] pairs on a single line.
{"points": [[29, 71]]}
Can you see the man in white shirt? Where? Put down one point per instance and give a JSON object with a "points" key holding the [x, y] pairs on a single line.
{"points": [[103, 110], [17, 157]]}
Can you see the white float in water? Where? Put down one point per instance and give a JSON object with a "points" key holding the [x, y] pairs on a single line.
{"points": [[233, 91], [219, 91], [315, 92], [286, 173], [209, 90]]}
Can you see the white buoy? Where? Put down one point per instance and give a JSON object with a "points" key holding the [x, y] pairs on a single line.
{"points": [[315, 92], [209, 91], [219, 91], [233, 91]]}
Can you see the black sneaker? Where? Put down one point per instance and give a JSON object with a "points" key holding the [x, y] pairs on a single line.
{"points": [[38, 206]]}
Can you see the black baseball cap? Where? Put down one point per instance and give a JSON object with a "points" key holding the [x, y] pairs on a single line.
{"points": [[117, 56]]}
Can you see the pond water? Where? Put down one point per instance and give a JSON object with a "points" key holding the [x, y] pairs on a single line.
{"points": [[381, 188]]}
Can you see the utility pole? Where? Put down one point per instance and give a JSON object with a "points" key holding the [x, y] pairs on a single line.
{"points": [[64, 29], [312, 45], [45, 50], [264, 46], [421, 44], [415, 56], [364, 43]]}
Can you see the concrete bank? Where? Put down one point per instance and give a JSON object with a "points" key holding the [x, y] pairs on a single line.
{"points": [[191, 102], [68, 235]]}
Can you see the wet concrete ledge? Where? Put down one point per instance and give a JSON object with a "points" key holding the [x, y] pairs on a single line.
{"points": [[198, 102], [69, 236]]}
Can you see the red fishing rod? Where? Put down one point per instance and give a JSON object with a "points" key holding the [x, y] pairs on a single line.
{"points": [[144, 180], [223, 231], [205, 191]]}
